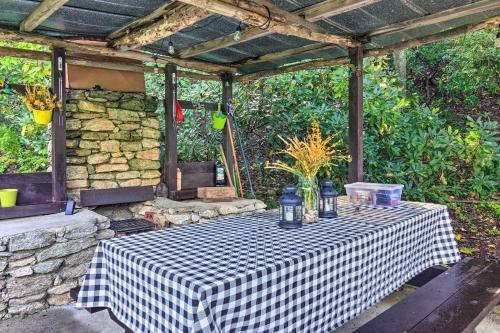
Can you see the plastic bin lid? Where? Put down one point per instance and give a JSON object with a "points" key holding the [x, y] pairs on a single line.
{"points": [[374, 186]]}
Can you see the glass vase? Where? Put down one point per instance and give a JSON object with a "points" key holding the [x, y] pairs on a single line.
{"points": [[309, 190]]}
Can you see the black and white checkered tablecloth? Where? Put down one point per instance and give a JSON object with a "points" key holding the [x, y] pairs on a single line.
{"points": [[245, 274]]}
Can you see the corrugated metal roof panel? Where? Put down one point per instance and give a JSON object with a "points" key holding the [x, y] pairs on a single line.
{"points": [[84, 22], [433, 6], [390, 11], [12, 12], [133, 8], [354, 23], [98, 18]]}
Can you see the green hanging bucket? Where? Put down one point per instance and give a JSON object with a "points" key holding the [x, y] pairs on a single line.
{"points": [[219, 119], [8, 197]]}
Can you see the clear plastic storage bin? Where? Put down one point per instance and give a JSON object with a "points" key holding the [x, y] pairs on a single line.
{"points": [[372, 194]]}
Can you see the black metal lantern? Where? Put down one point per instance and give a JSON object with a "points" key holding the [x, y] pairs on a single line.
{"points": [[327, 200], [290, 208]]}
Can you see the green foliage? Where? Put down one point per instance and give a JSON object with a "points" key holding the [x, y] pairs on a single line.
{"points": [[22, 153], [494, 231], [464, 69], [197, 139], [23, 144], [404, 141], [467, 250]]}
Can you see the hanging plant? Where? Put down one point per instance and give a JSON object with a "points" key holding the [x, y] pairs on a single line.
{"points": [[219, 118], [41, 102]]}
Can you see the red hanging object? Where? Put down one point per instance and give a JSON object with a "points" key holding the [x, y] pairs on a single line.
{"points": [[179, 115]]}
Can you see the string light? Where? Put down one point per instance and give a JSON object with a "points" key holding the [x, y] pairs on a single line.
{"points": [[213, 21], [171, 49], [294, 80], [237, 34]]}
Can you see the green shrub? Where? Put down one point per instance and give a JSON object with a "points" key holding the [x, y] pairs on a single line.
{"points": [[404, 141], [464, 69], [23, 144]]}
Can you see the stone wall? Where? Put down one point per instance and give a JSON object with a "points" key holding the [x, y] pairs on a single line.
{"points": [[38, 267], [171, 213], [178, 213], [113, 140]]}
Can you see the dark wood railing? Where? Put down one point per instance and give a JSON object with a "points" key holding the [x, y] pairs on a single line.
{"points": [[34, 195]]}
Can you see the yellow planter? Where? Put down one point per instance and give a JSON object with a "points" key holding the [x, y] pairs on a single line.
{"points": [[42, 117], [8, 197]]}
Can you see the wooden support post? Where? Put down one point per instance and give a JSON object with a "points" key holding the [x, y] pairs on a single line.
{"points": [[227, 96], [399, 57], [356, 115], [58, 130], [170, 163]]}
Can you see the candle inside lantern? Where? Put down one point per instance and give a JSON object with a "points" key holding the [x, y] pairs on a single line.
{"points": [[290, 208], [328, 200]]}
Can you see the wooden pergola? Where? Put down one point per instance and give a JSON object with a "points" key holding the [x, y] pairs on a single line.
{"points": [[227, 40]]}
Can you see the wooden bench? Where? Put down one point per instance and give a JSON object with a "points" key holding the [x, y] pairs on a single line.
{"points": [[455, 301]]}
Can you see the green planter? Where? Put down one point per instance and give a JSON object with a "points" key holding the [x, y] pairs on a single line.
{"points": [[219, 120], [8, 197]]}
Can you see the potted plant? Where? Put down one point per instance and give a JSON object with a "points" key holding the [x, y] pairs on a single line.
{"points": [[8, 197], [41, 102], [309, 157]]}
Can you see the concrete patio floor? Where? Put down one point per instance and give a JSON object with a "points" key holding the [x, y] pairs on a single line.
{"points": [[67, 319]]}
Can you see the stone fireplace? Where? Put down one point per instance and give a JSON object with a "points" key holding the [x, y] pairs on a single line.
{"points": [[113, 140]]}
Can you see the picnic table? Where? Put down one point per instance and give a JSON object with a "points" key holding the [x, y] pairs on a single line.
{"points": [[245, 274]]}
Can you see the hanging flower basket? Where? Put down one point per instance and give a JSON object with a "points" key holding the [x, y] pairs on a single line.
{"points": [[41, 103], [42, 117], [219, 120]]}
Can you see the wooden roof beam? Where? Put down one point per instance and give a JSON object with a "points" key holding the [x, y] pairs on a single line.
{"points": [[262, 17], [142, 21], [295, 19], [286, 53], [291, 68], [222, 42], [448, 34], [254, 32], [173, 19], [398, 27], [88, 60], [291, 17], [11, 35], [40, 14]]}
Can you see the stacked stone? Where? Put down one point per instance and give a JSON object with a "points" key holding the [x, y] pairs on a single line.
{"points": [[38, 268], [171, 215], [113, 140]]}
